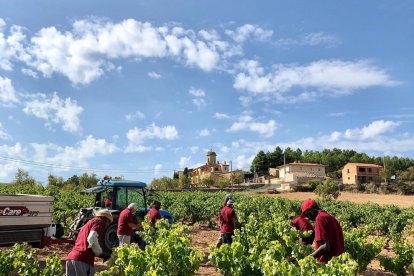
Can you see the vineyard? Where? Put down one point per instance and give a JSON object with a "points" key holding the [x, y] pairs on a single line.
{"points": [[264, 244]]}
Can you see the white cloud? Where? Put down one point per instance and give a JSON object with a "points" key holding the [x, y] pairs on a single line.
{"points": [[378, 136], [204, 132], [184, 162], [55, 111], [138, 148], [224, 149], [199, 102], [77, 155], [134, 115], [194, 149], [151, 132], [243, 162], [211, 35], [30, 73], [337, 114], [11, 46], [12, 151], [157, 169], [86, 52], [324, 77], [371, 131], [136, 137], [2, 24], [197, 92], [8, 96], [154, 75], [249, 31], [310, 39], [3, 133], [319, 38], [220, 116], [246, 122], [8, 168]]}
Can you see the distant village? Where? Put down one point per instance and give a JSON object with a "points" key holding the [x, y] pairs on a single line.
{"points": [[286, 177]]}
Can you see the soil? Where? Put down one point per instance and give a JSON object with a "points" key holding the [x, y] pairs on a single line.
{"points": [[202, 239]]}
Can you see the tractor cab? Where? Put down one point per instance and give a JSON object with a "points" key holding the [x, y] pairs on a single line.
{"points": [[115, 195]]}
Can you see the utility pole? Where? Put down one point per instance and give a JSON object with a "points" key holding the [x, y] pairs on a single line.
{"points": [[385, 172], [254, 174], [284, 166]]}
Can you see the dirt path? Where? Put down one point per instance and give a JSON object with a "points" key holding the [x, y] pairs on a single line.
{"points": [[202, 239], [398, 200]]}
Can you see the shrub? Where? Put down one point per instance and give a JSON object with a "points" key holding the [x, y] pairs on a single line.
{"points": [[223, 182], [372, 187], [328, 189], [313, 183]]}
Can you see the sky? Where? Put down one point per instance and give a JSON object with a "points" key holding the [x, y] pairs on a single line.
{"points": [[141, 89]]}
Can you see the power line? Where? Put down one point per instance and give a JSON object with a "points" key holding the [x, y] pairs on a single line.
{"points": [[64, 167]]}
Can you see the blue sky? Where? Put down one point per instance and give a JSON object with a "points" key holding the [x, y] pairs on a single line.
{"points": [[143, 88]]}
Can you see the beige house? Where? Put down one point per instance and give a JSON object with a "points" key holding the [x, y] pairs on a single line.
{"points": [[298, 173], [356, 173], [212, 167]]}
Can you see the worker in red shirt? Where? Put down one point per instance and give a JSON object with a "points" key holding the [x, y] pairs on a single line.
{"points": [[226, 198], [329, 238], [302, 224], [154, 213], [228, 221], [126, 224], [108, 200], [80, 261]]}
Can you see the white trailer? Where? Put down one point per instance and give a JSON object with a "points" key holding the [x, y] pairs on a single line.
{"points": [[23, 217]]}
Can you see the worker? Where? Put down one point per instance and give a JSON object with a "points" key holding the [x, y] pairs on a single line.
{"points": [[80, 261], [154, 213], [329, 238], [302, 224], [228, 221], [126, 224], [108, 200], [227, 197]]}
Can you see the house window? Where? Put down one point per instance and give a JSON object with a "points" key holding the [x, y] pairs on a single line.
{"points": [[369, 169], [347, 170], [349, 178], [361, 169]]}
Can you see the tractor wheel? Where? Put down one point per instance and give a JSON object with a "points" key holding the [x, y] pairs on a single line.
{"points": [[110, 239]]}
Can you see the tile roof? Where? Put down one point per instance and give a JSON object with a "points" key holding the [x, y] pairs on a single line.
{"points": [[364, 165], [302, 164]]}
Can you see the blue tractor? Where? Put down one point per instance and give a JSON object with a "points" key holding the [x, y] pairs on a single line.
{"points": [[115, 195]]}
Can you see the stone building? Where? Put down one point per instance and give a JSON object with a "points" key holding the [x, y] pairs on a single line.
{"points": [[357, 173]]}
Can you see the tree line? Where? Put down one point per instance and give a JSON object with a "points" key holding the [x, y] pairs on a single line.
{"points": [[334, 160], [24, 183]]}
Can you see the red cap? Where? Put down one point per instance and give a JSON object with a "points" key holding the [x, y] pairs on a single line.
{"points": [[306, 205]]}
